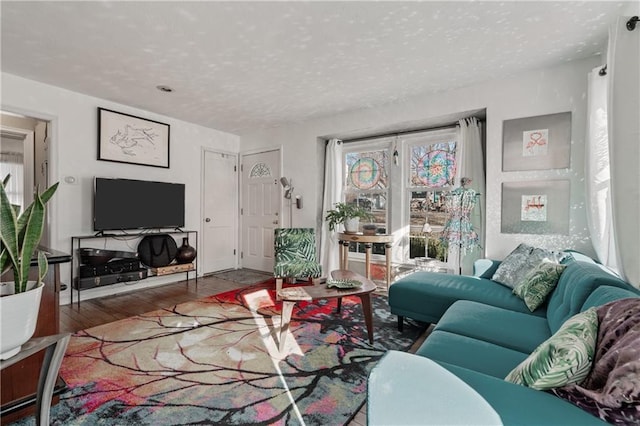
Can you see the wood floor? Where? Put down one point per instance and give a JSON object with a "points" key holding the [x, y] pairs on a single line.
{"points": [[94, 312], [103, 310]]}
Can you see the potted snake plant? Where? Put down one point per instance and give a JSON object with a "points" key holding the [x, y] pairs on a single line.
{"points": [[20, 234]]}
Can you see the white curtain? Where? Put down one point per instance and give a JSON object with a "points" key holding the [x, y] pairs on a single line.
{"points": [[471, 165], [599, 212], [623, 65], [333, 185], [13, 163]]}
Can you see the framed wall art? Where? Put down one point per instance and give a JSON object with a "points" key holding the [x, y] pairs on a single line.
{"points": [[124, 138], [537, 143], [540, 207]]}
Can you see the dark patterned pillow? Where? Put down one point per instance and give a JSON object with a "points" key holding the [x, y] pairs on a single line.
{"points": [[520, 262], [612, 389], [538, 284]]}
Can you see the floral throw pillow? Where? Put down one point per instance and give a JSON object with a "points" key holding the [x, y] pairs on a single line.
{"points": [[538, 284], [562, 359], [520, 262]]}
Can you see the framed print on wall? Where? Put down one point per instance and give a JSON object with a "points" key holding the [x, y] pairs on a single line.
{"points": [[540, 207], [125, 138], [537, 143]]}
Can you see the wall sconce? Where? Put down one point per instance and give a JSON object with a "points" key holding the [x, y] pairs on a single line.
{"points": [[287, 185], [288, 188]]}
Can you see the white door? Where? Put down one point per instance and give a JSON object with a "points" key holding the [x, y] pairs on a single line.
{"points": [[220, 212], [260, 208]]}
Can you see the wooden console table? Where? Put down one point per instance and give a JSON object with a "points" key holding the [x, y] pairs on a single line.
{"points": [[20, 380], [368, 240], [54, 348]]}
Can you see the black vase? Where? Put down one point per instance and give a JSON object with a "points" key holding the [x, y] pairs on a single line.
{"points": [[186, 253]]}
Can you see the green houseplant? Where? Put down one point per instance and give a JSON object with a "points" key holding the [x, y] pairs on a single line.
{"points": [[345, 213], [20, 234]]}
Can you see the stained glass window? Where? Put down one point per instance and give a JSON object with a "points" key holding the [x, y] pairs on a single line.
{"points": [[433, 165], [366, 170], [367, 182], [260, 170]]}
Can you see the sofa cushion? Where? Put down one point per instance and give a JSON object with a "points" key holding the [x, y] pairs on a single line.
{"points": [[425, 296], [495, 325], [562, 359], [467, 352], [519, 405], [538, 284], [605, 294], [612, 388], [576, 283], [485, 268], [520, 262]]}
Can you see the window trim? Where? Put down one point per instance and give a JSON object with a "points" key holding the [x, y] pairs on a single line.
{"points": [[400, 188]]}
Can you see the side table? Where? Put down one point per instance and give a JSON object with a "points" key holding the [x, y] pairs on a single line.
{"points": [[55, 347], [368, 240]]}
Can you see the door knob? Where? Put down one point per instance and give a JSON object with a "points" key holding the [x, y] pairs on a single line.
{"points": [[275, 222], [207, 220]]}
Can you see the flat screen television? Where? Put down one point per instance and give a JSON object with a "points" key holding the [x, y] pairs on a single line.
{"points": [[120, 204]]}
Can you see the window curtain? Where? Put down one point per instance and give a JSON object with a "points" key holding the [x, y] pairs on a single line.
{"points": [[333, 185], [471, 165], [599, 212], [623, 65], [13, 163]]}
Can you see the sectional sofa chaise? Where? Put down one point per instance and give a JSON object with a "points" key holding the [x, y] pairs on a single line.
{"points": [[483, 331]]}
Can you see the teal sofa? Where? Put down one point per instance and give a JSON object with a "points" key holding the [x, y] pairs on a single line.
{"points": [[482, 331]]}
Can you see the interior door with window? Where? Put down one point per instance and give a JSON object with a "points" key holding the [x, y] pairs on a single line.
{"points": [[260, 211], [220, 212]]}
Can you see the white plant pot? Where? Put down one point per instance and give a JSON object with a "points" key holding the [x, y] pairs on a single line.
{"points": [[18, 316], [351, 225]]}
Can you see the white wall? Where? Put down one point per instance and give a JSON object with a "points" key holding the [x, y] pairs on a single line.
{"points": [[74, 152], [538, 92]]}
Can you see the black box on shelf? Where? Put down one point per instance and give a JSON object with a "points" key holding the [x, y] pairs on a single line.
{"points": [[113, 267], [102, 280]]}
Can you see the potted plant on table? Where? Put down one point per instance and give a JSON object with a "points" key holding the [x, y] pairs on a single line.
{"points": [[348, 214], [20, 235]]}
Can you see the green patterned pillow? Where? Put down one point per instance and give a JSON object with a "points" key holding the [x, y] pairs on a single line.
{"points": [[537, 284], [520, 262], [562, 359]]}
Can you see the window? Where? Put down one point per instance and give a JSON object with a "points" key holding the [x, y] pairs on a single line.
{"points": [[431, 162], [12, 163], [367, 185], [425, 172]]}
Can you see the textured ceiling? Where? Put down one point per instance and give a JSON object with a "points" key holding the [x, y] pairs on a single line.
{"points": [[239, 66]]}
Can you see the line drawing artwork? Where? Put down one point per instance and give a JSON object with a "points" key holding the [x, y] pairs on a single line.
{"points": [[535, 142], [534, 208], [131, 140]]}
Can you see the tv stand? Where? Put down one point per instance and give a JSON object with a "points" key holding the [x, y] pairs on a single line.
{"points": [[77, 242]]}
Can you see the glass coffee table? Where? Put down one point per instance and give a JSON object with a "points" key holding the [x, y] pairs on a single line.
{"points": [[292, 295]]}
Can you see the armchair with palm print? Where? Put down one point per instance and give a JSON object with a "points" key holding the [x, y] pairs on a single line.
{"points": [[295, 255]]}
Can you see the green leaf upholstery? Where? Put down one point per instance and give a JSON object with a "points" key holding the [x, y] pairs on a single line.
{"points": [[538, 284], [564, 358], [295, 253]]}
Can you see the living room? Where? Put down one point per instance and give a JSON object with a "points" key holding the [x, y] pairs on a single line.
{"points": [[550, 86]]}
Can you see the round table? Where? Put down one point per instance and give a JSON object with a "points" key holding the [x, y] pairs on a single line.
{"points": [[345, 238]]}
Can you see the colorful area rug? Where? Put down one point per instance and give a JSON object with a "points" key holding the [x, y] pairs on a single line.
{"points": [[216, 361]]}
